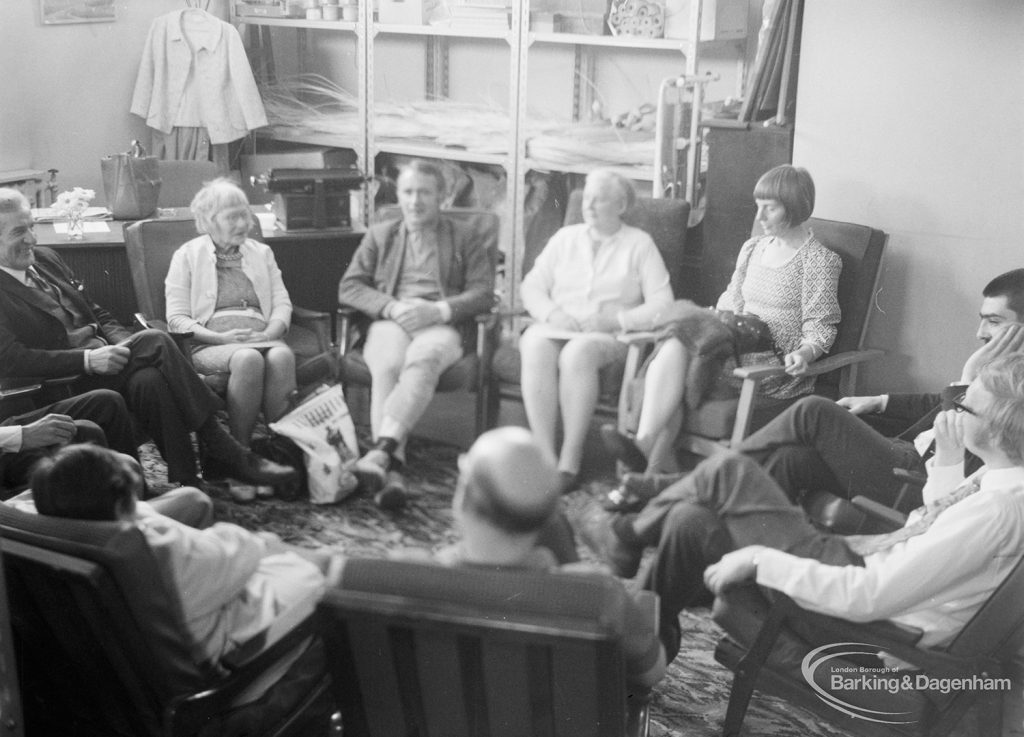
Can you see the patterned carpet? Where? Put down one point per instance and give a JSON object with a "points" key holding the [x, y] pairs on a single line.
{"points": [[691, 700]]}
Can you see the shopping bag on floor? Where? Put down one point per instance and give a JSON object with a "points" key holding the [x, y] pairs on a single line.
{"points": [[323, 428]]}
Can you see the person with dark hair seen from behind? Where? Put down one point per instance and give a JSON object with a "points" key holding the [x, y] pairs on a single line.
{"points": [[50, 328], [786, 278], [422, 280], [231, 583]]}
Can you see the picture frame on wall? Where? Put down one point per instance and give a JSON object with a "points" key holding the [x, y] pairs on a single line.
{"points": [[58, 12]]}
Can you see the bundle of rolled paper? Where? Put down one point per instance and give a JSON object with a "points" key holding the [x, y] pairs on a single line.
{"points": [[637, 18]]}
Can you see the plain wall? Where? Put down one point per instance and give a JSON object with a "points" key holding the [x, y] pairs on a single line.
{"points": [[67, 88], [911, 119]]}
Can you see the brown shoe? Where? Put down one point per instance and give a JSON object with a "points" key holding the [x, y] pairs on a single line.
{"points": [[597, 533]]}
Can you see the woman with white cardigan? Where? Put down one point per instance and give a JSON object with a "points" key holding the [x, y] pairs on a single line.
{"points": [[226, 289]]}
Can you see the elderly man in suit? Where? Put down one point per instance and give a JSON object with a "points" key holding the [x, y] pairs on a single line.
{"points": [[422, 280], [50, 328]]}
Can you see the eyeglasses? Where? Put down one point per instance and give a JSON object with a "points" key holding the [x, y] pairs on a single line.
{"points": [[959, 406]]}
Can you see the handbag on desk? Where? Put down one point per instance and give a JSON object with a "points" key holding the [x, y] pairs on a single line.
{"points": [[131, 182]]}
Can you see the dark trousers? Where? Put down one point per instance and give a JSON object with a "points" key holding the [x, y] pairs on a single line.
{"points": [[728, 502], [100, 416], [816, 445], [166, 397]]}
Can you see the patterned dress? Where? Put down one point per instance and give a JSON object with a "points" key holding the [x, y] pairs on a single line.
{"points": [[237, 307], [797, 300]]}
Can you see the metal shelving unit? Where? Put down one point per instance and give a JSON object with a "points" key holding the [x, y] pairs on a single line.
{"points": [[438, 42]]}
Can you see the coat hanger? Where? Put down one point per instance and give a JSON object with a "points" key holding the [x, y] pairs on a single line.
{"points": [[198, 4]]}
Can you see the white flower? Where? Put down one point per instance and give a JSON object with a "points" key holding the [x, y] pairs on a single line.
{"points": [[73, 202]]}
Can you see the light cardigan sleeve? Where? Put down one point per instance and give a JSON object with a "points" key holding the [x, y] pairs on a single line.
{"points": [[656, 288], [178, 293], [536, 286], [819, 296]]}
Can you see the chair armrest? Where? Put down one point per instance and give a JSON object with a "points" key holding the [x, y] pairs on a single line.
{"points": [[151, 323], [306, 315], [823, 366], [842, 360], [320, 323], [880, 511], [188, 712], [637, 337], [11, 388]]}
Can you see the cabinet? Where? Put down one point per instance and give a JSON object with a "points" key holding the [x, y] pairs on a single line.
{"points": [[737, 157], [518, 86]]}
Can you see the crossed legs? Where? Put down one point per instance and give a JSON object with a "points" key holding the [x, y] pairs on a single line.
{"points": [[727, 503], [405, 370]]}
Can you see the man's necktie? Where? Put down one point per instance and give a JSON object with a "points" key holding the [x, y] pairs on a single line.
{"points": [[42, 284], [865, 545]]}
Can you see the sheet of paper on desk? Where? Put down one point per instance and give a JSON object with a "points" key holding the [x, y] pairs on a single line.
{"points": [[91, 226], [48, 215]]}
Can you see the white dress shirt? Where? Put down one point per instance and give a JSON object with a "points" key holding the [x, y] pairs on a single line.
{"points": [[935, 581]]}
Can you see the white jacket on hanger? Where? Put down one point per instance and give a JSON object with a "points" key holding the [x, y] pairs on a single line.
{"points": [[194, 72]]}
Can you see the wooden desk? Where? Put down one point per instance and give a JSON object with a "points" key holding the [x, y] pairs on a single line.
{"points": [[312, 263]]}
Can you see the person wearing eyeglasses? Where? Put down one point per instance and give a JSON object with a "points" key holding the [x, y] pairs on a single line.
{"points": [[850, 447], [729, 522]]}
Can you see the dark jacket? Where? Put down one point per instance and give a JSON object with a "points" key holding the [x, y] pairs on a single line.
{"points": [[33, 339], [465, 262]]}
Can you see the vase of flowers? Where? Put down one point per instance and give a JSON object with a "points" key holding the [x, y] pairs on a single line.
{"points": [[71, 205]]}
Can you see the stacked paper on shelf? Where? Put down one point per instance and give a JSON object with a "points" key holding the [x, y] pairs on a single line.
{"points": [[481, 15]]}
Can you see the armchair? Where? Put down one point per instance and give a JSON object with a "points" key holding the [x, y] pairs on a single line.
{"points": [[721, 423], [472, 371], [769, 647], [103, 649], [416, 648], [150, 244]]}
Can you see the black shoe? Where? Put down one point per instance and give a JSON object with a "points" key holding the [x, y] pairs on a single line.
{"points": [[371, 471], [252, 469], [394, 495], [595, 528], [623, 448]]}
